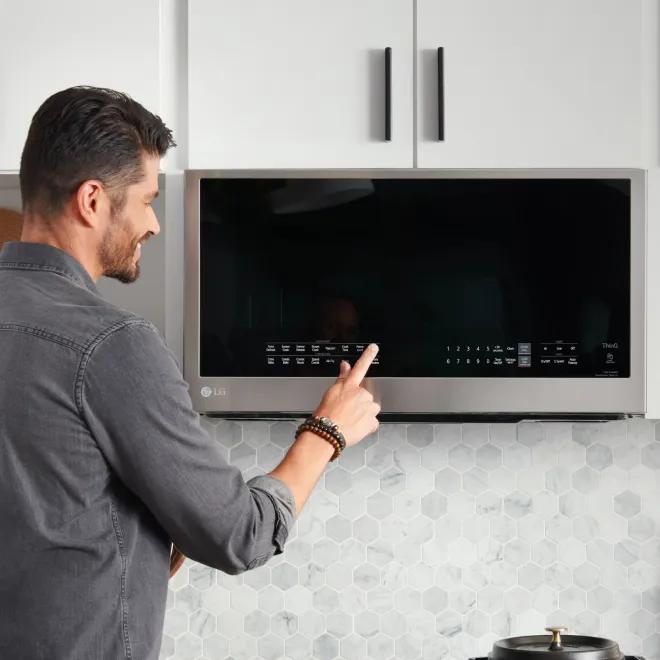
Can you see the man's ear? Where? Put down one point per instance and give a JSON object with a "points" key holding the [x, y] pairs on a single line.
{"points": [[91, 202]]}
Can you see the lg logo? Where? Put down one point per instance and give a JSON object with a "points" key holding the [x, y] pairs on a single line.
{"points": [[207, 391]]}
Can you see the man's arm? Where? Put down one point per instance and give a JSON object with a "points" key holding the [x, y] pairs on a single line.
{"points": [[136, 404], [347, 404]]}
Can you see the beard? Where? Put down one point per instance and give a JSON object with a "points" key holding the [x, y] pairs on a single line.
{"points": [[117, 252]]}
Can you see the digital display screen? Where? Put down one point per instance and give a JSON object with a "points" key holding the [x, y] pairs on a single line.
{"points": [[474, 278]]}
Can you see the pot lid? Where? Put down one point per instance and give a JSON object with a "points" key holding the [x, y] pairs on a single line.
{"points": [[557, 645]]}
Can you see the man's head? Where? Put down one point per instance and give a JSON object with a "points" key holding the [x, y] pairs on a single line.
{"points": [[89, 172]]}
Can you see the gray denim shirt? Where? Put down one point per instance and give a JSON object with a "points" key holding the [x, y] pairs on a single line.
{"points": [[103, 463]]}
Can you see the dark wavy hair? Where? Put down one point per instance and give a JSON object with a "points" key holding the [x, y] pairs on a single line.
{"points": [[83, 133]]}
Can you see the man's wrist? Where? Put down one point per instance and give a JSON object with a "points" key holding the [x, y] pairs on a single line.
{"points": [[317, 444]]}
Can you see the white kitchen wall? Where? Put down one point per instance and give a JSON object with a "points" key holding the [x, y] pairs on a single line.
{"points": [[48, 46]]}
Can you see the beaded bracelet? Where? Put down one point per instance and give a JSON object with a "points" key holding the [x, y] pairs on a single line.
{"points": [[330, 427], [326, 429], [323, 434]]}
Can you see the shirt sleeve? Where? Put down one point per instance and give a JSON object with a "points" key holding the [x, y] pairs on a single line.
{"points": [[137, 406]]}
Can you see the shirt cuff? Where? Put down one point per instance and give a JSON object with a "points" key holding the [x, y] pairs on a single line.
{"points": [[283, 503]]}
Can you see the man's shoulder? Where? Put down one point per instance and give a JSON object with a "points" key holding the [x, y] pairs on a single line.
{"points": [[106, 320], [75, 314], [87, 318]]}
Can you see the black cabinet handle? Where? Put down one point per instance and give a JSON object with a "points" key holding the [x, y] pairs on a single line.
{"points": [[441, 94], [388, 94]]}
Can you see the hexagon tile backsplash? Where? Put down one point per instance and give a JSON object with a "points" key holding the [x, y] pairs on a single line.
{"points": [[432, 541]]}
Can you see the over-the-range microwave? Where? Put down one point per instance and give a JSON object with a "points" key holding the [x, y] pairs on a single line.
{"points": [[495, 293]]}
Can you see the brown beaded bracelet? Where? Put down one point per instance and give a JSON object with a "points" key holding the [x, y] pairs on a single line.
{"points": [[329, 427], [321, 432]]}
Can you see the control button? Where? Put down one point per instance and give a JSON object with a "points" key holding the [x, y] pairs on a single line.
{"points": [[330, 361], [285, 348], [316, 348], [546, 361], [498, 361], [331, 348], [300, 360], [572, 361], [285, 360], [270, 360], [510, 361], [510, 349], [345, 348], [524, 360], [498, 349], [315, 360], [360, 347], [300, 348], [559, 360], [525, 348], [270, 348]]}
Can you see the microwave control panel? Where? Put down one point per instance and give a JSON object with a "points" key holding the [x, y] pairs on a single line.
{"points": [[544, 359], [316, 358]]}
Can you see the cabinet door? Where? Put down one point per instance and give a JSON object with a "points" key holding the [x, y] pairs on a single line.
{"points": [[49, 46], [531, 83], [299, 83]]}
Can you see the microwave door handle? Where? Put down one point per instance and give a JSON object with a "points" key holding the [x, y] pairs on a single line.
{"points": [[441, 94], [388, 94]]}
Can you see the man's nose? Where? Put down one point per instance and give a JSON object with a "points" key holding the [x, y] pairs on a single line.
{"points": [[154, 226]]}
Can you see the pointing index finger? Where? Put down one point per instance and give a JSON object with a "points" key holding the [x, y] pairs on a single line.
{"points": [[361, 366]]}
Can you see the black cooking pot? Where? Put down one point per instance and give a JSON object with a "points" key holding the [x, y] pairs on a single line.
{"points": [[555, 647]]}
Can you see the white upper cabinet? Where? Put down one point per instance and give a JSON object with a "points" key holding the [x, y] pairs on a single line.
{"points": [[49, 46], [530, 83], [299, 83]]}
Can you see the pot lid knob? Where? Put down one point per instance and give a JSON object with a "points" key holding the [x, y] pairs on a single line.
{"points": [[555, 644]]}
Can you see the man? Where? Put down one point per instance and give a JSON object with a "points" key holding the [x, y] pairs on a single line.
{"points": [[103, 461]]}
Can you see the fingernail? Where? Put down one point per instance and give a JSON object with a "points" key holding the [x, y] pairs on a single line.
{"points": [[374, 347]]}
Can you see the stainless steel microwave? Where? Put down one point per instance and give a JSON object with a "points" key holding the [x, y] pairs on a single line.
{"points": [[490, 293]]}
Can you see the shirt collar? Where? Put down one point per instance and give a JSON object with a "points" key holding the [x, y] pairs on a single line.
{"points": [[40, 256]]}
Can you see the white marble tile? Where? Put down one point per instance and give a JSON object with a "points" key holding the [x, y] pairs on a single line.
{"points": [[432, 541]]}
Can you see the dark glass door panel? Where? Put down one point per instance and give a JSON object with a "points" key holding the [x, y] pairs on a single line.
{"points": [[452, 278]]}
